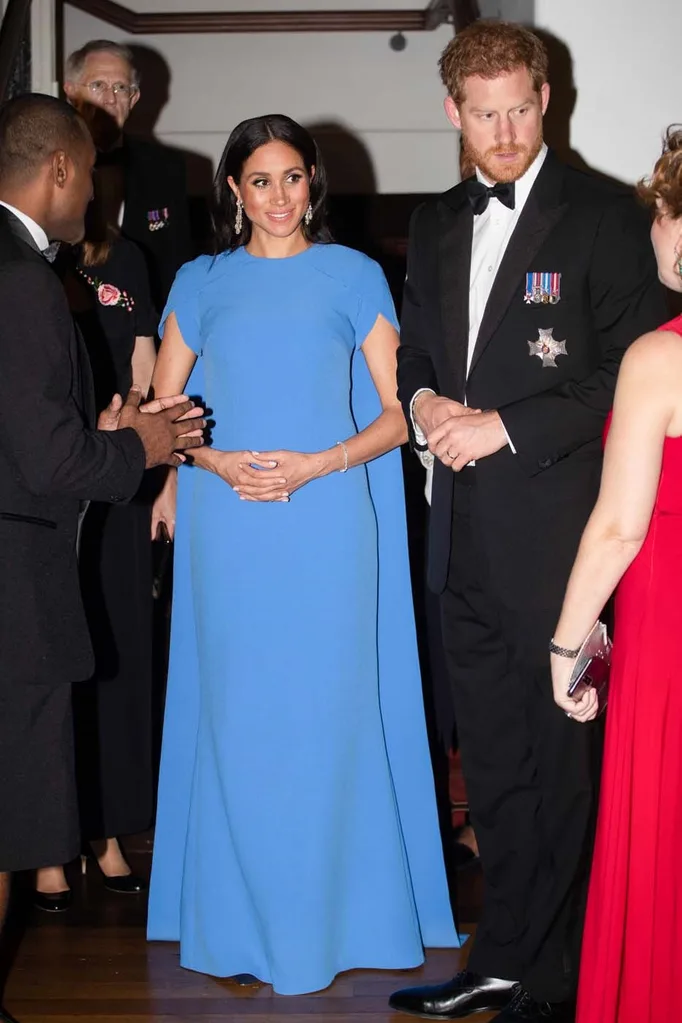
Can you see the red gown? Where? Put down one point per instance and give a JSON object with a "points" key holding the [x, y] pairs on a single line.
{"points": [[632, 948]]}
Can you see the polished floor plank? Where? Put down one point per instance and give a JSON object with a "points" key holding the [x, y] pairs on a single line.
{"points": [[93, 963]]}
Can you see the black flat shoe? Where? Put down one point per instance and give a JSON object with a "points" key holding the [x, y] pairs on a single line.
{"points": [[467, 992], [523, 1008], [52, 902], [6, 1018], [244, 980]]}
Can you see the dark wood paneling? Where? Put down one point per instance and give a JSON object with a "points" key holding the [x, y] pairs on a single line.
{"points": [[252, 21]]}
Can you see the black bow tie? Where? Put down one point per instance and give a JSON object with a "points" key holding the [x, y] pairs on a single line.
{"points": [[480, 194], [50, 253]]}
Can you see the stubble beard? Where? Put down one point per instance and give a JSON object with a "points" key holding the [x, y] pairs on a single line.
{"points": [[492, 169]]}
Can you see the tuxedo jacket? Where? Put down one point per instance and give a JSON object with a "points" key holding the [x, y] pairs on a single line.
{"points": [[531, 506], [51, 460], [156, 212]]}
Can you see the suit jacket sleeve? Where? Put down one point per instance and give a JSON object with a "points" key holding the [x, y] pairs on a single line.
{"points": [[415, 367], [42, 429], [627, 301]]}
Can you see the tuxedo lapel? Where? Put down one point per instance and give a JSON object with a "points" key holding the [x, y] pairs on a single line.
{"points": [[454, 271], [543, 209], [20, 231]]}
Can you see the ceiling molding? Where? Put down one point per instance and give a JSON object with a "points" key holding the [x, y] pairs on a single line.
{"points": [[255, 21]]}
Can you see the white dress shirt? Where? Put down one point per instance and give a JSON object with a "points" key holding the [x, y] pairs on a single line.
{"points": [[35, 230], [492, 231]]}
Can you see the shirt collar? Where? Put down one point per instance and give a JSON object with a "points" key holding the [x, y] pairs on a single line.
{"points": [[35, 230], [524, 184]]}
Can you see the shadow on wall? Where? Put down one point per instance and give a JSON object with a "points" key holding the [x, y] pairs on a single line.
{"points": [[564, 94], [360, 216], [155, 88]]}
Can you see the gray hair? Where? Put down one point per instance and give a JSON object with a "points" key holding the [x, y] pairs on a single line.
{"points": [[76, 61]]}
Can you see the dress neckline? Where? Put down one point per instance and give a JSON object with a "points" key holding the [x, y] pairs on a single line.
{"points": [[674, 325], [276, 259]]}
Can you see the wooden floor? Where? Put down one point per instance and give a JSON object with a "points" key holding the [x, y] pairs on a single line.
{"points": [[93, 964]]}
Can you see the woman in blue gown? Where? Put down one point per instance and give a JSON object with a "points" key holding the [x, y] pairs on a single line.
{"points": [[297, 834]]}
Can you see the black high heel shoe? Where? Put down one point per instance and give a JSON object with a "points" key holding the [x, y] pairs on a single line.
{"points": [[52, 902], [123, 884]]}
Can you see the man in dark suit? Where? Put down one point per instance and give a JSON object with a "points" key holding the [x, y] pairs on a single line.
{"points": [[153, 181], [526, 283], [52, 461]]}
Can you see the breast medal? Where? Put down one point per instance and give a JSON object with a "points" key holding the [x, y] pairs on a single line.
{"points": [[157, 219], [542, 288], [547, 348]]}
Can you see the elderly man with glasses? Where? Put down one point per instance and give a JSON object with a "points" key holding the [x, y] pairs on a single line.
{"points": [[154, 211]]}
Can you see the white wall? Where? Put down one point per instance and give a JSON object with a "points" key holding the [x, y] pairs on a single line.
{"points": [[628, 74], [627, 71], [391, 101]]}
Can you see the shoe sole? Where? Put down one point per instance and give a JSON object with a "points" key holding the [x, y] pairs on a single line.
{"points": [[464, 1015]]}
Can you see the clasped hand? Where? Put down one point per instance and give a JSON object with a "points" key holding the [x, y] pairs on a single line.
{"points": [[586, 707], [457, 434], [266, 475]]}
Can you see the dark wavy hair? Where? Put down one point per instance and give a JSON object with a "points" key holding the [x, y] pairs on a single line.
{"points": [[245, 139]]}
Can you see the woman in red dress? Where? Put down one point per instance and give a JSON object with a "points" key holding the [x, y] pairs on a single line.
{"points": [[632, 947]]}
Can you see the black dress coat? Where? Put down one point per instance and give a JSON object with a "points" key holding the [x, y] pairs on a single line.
{"points": [[503, 534], [52, 459], [534, 504], [156, 212]]}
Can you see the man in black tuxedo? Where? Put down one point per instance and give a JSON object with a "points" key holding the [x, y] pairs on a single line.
{"points": [[526, 283], [153, 181], [53, 460]]}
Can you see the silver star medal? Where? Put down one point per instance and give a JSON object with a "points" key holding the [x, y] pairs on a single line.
{"points": [[547, 348]]}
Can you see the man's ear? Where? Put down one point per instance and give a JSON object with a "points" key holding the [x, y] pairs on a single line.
{"points": [[71, 90], [59, 168], [452, 112], [544, 97], [134, 97]]}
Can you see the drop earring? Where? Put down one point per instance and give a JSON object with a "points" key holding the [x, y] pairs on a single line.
{"points": [[308, 216], [678, 264], [239, 219]]}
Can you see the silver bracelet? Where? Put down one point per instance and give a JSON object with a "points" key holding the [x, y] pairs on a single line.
{"points": [[563, 651], [345, 456]]}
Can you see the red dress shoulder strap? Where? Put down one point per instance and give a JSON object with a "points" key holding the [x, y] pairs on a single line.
{"points": [[675, 325]]}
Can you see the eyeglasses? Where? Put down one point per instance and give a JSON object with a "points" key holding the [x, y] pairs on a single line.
{"points": [[98, 88]]}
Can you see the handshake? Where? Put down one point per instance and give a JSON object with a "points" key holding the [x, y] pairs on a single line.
{"points": [[166, 426]]}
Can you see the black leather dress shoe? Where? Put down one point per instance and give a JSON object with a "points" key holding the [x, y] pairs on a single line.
{"points": [[52, 902], [6, 1018], [467, 992], [523, 1008]]}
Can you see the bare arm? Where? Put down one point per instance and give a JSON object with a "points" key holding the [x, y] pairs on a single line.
{"points": [[144, 357], [389, 429], [645, 412]]}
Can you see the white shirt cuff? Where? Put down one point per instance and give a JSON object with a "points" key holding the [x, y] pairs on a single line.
{"points": [[419, 434], [509, 440]]}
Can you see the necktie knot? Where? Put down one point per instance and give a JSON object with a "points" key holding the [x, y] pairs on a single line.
{"points": [[480, 194]]}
